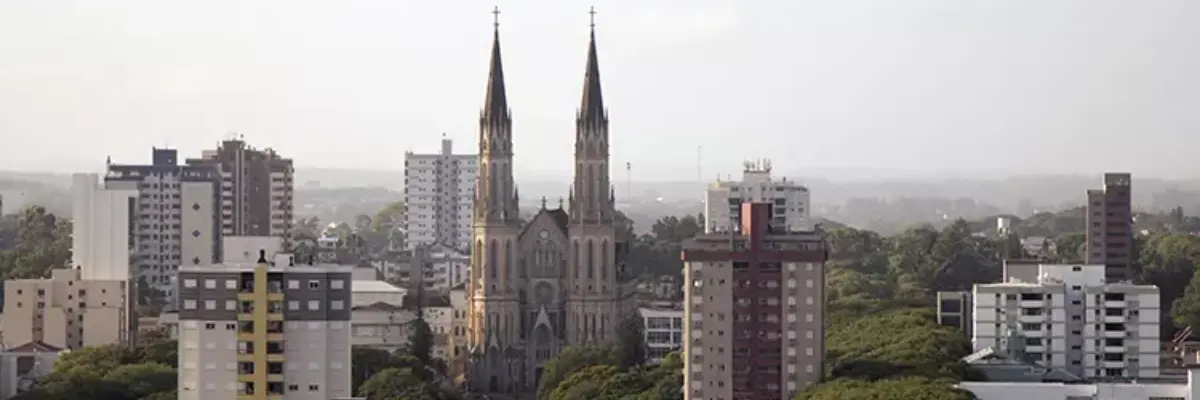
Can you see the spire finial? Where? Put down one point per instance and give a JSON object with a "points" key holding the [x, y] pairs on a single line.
{"points": [[496, 17], [592, 15]]}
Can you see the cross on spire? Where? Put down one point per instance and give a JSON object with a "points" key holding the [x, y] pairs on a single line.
{"points": [[592, 15], [496, 17]]}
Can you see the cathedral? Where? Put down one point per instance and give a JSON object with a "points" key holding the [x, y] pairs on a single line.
{"points": [[553, 282]]}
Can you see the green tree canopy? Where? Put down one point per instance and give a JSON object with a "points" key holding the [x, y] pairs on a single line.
{"points": [[910, 388], [141, 380]]}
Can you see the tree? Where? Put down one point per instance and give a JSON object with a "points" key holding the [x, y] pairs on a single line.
{"points": [[389, 217], [421, 341], [569, 361], [631, 342], [141, 380], [43, 243], [911, 388], [403, 384], [367, 362]]}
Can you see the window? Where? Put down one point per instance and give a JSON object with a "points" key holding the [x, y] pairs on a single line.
{"points": [[210, 304], [231, 284], [337, 284], [210, 326], [293, 284], [313, 388], [336, 305], [210, 284], [293, 305], [230, 305], [189, 283], [314, 284], [314, 305], [189, 304]]}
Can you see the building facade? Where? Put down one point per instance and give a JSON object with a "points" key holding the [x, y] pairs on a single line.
{"points": [[555, 281], [67, 311], [264, 331], [175, 219], [103, 229], [723, 199], [439, 192], [1073, 320], [663, 332], [755, 309], [1109, 228], [257, 190]]}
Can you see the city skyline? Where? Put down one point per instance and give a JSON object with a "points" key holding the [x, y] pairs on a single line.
{"points": [[349, 94]]}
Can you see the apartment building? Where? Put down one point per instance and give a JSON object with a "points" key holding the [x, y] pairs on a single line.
{"points": [[175, 220], [257, 196], [1109, 227], [439, 190], [103, 230], [67, 311], [1073, 319], [663, 330], [723, 200], [267, 330], [754, 307]]}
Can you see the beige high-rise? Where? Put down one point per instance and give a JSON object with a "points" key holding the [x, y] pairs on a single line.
{"points": [[66, 311], [754, 310]]}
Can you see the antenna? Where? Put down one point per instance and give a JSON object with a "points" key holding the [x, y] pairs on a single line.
{"points": [[628, 180], [699, 154]]}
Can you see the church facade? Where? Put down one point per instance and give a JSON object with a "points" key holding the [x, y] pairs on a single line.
{"points": [[557, 280]]}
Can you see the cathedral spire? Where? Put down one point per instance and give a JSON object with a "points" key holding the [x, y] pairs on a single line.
{"points": [[495, 106], [591, 107]]}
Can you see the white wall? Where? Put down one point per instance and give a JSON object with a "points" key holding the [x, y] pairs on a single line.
{"points": [[197, 223], [100, 232]]}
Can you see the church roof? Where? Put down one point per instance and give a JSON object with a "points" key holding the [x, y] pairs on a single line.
{"points": [[36, 346], [591, 106], [558, 215], [495, 104]]}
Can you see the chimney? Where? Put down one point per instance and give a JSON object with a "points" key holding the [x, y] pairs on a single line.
{"points": [[291, 261], [262, 256]]}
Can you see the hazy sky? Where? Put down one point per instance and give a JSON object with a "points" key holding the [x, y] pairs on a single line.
{"points": [[1077, 86]]}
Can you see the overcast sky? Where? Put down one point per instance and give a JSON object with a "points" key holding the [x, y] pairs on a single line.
{"points": [[1075, 86]]}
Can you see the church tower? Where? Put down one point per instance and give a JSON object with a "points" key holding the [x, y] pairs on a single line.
{"points": [[594, 300], [493, 308]]}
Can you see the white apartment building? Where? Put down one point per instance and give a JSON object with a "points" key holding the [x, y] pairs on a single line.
{"points": [[1074, 321], [446, 268], [439, 190], [67, 311], [265, 331], [663, 332], [723, 199], [102, 227], [175, 219]]}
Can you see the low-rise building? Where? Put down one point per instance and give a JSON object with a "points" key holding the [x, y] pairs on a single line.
{"points": [[663, 331], [67, 311], [21, 366], [1074, 320]]}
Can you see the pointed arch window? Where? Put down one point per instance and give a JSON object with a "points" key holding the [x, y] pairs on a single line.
{"points": [[492, 264], [575, 257], [591, 259], [508, 260], [604, 260]]}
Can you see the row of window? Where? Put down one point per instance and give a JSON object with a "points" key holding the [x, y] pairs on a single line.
{"points": [[232, 284], [293, 305]]}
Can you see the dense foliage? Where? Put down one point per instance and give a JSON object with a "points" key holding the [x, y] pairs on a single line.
{"points": [[32, 243], [113, 372]]}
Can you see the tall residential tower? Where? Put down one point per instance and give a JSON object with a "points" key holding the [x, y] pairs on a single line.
{"points": [[175, 219], [1109, 227], [257, 196], [439, 193]]}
